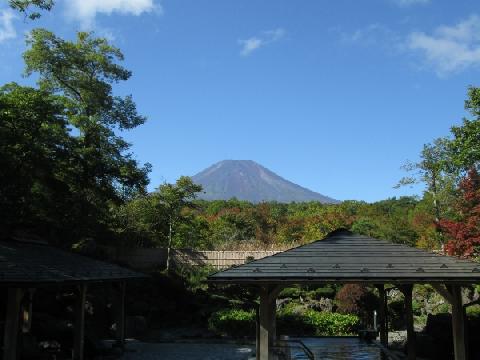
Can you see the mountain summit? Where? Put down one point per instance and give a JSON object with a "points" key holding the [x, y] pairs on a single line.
{"points": [[247, 180]]}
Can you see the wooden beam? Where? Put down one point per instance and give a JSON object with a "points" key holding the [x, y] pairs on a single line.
{"points": [[382, 310], [458, 323], [12, 323], [443, 291], [79, 325], [411, 348]]}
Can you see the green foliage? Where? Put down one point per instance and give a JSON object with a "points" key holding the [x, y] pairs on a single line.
{"points": [[24, 5], [290, 292], [473, 311], [66, 169], [236, 322], [332, 324], [322, 292]]}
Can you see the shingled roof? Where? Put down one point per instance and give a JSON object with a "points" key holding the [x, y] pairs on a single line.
{"points": [[344, 257], [28, 263]]}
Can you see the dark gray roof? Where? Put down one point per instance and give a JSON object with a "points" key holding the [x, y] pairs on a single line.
{"points": [[27, 263], [346, 257]]}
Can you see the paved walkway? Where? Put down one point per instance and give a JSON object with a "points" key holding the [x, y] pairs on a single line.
{"points": [[187, 351]]}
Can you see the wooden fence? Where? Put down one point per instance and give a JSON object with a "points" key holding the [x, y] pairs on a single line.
{"points": [[150, 258]]}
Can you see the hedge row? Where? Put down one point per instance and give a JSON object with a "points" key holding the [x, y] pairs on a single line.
{"points": [[240, 323]]}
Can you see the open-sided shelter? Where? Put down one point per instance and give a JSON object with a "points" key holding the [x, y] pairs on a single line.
{"points": [[26, 266], [344, 257]]}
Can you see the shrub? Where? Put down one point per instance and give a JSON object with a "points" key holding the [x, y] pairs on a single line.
{"points": [[332, 324], [322, 292], [292, 292], [233, 322], [473, 311], [291, 319]]}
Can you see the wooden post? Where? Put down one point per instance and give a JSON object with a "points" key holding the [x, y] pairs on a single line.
{"points": [[79, 325], [273, 322], [458, 323], [257, 332], [121, 316], [407, 292], [381, 316], [27, 309], [12, 323], [265, 324]]}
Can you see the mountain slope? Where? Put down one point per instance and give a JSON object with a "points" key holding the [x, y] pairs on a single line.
{"points": [[247, 180]]}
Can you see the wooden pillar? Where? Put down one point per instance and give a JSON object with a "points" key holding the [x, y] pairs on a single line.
{"points": [[453, 295], [382, 310], [458, 323], [265, 324], [257, 332], [273, 321], [121, 316], [27, 310], [79, 325], [407, 292], [12, 323]]}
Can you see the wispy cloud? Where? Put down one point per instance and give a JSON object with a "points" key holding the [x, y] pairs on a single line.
{"points": [[85, 11], [373, 34], [406, 3], [256, 42], [449, 49], [7, 30]]}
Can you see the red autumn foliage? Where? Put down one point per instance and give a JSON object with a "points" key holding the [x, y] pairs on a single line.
{"points": [[464, 233]]}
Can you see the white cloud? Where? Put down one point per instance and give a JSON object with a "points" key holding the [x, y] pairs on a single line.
{"points": [[405, 3], [449, 48], [256, 42], [86, 10], [373, 34], [7, 30]]}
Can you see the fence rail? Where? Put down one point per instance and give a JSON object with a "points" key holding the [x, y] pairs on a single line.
{"points": [[148, 258]]}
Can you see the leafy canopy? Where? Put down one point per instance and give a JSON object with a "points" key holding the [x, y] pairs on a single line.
{"points": [[24, 5]]}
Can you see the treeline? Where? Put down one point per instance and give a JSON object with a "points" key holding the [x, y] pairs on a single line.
{"points": [[240, 225]]}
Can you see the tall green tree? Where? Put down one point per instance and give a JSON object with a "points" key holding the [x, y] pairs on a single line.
{"points": [[432, 170], [83, 72], [465, 145], [173, 198]]}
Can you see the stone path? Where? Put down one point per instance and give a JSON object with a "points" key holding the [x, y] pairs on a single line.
{"points": [[186, 351]]}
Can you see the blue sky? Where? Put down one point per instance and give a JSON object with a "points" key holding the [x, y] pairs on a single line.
{"points": [[332, 95]]}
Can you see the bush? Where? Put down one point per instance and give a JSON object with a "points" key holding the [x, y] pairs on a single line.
{"points": [[332, 324], [292, 292], [322, 292], [292, 319], [473, 311], [233, 322]]}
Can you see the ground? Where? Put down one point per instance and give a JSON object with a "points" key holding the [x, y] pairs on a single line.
{"points": [[184, 351]]}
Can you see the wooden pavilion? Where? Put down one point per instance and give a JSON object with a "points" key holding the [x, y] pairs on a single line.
{"points": [[26, 266], [343, 257]]}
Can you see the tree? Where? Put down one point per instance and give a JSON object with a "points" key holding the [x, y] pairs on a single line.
{"points": [[24, 5], [83, 72], [430, 170], [464, 231], [35, 160], [173, 198]]}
